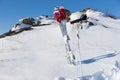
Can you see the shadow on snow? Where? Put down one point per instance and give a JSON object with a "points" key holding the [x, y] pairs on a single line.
{"points": [[88, 61]]}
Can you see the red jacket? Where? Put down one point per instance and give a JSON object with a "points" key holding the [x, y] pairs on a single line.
{"points": [[57, 16], [62, 13]]}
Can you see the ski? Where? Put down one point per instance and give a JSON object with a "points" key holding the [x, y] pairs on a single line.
{"points": [[60, 16], [70, 56]]}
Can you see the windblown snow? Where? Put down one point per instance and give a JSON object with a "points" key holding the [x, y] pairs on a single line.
{"points": [[39, 54]]}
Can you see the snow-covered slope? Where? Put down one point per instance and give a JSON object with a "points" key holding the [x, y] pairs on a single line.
{"points": [[39, 54]]}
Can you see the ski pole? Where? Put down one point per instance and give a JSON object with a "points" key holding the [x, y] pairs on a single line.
{"points": [[79, 53]]}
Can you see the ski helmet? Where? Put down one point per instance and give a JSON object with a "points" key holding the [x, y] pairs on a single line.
{"points": [[75, 17]]}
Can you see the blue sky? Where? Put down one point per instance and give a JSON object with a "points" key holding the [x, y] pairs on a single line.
{"points": [[12, 10]]}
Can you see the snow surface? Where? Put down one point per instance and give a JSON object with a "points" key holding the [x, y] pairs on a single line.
{"points": [[39, 54]]}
